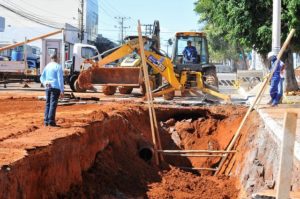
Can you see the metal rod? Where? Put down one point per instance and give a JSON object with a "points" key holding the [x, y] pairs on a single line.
{"points": [[198, 168], [192, 155], [194, 151]]}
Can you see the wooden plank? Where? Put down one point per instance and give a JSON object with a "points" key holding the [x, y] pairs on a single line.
{"points": [[194, 151], [257, 99], [197, 168], [30, 40], [153, 122], [130, 85], [193, 155], [286, 156]]}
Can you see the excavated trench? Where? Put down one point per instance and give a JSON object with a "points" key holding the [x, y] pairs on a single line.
{"points": [[125, 167], [108, 154]]}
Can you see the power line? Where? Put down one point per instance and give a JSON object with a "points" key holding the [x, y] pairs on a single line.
{"points": [[31, 18], [107, 13], [53, 14], [35, 19], [107, 5], [133, 31]]}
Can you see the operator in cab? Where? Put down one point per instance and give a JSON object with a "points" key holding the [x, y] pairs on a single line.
{"points": [[189, 54]]}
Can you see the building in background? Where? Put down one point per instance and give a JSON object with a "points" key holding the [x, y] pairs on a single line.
{"points": [[47, 15], [28, 19], [91, 20]]}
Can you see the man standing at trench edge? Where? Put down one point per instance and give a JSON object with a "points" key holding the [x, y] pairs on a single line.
{"points": [[52, 79]]}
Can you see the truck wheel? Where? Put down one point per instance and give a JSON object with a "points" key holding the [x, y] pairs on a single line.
{"points": [[169, 96], [72, 82], [109, 90], [211, 77], [125, 89], [77, 87]]}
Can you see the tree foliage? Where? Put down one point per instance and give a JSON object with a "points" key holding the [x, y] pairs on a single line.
{"points": [[248, 23]]}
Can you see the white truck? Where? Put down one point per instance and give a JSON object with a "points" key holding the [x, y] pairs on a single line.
{"points": [[73, 58], [75, 55], [81, 52]]}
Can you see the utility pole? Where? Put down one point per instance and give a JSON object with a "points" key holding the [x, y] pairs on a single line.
{"points": [[276, 26], [122, 27], [80, 21], [148, 29]]}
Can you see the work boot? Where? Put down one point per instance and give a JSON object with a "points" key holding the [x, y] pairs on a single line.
{"points": [[53, 125], [270, 102], [274, 105]]}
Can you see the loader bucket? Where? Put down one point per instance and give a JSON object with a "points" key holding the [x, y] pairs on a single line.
{"points": [[117, 76]]}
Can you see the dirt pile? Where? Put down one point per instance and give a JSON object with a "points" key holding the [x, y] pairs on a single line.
{"points": [[211, 131], [179, 184]]}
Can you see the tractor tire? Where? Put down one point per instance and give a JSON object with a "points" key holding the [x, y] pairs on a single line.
{"points": [[125, 89], [72, 82], [169, 96], [211, 77], [77, 87], [109, 90]]}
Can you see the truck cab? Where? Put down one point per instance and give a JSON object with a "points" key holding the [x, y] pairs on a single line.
{"points": [[81, 53]]}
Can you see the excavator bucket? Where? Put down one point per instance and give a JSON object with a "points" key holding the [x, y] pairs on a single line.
{"points": [[117, 76]]}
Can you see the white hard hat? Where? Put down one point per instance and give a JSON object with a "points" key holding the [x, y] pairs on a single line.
{"points": [[271, 55]]}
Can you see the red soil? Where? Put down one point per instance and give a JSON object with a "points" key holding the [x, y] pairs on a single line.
{"points": [[116, 171], [179, 184]]}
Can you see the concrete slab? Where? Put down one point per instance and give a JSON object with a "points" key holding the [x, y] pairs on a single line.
{"points": [[273, 119]]}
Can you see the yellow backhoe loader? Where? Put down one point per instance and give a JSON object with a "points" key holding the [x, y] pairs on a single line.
{"points": [[177, 74]]}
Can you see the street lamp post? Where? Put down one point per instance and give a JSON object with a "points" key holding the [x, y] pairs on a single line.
{"points": [[276, 26]]}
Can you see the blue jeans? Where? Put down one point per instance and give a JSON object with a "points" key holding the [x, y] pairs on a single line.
{"points": [[52, 95], [276, 90]]}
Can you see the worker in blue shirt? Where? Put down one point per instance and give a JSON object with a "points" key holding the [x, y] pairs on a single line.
{"points": [[276, 88], [189, 54], [52, 79]]}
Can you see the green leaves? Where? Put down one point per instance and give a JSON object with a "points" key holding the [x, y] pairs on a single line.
{"points": [[247, 22]]}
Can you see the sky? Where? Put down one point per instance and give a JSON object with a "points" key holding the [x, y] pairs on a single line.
{"points": [[173, 15]]}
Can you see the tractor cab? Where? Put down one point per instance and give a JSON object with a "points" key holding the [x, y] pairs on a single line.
{"points": [[190, 51]]}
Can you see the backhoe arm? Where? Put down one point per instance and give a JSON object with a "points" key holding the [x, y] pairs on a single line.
{"points": [[121, 52], [164, 66], [114, 76], [158, 62]]}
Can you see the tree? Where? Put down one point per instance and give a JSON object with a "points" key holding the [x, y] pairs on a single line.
{"points": [[248, 23]]}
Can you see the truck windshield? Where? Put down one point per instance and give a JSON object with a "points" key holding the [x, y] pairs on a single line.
{"points": [[198, 42], [87, 52]]}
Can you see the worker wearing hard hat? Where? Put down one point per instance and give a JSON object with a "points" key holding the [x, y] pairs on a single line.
{"points": [[189, 54], [52, 79], [276, 89]]}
